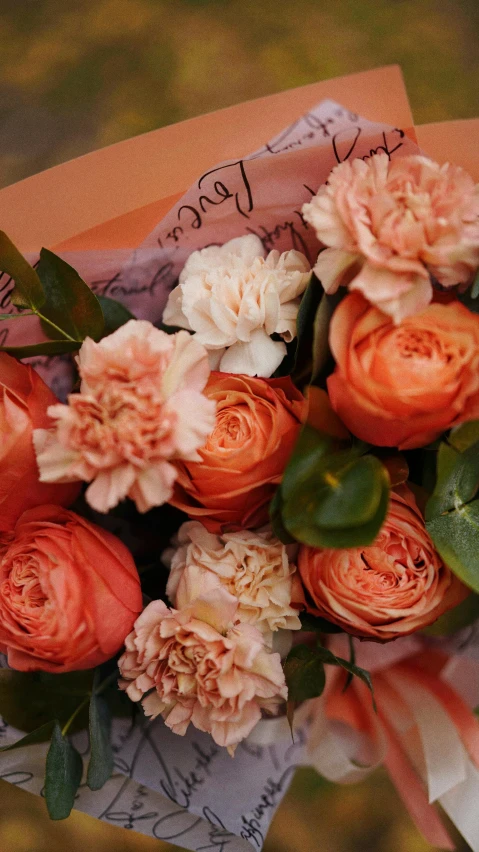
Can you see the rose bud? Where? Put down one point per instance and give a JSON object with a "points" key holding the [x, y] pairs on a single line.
{"points": [[24, 400]]}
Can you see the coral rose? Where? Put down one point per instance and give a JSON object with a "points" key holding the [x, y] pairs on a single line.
{"points": [[257, 423], [254, 567], [234, 298], [131, 417], [402, 386], [201, 668], [391, 588], [389, 226], [24, 400], [69, 592]]}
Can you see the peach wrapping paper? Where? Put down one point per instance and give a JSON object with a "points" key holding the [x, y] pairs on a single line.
{"points": [[124, 217], [261, 193]]}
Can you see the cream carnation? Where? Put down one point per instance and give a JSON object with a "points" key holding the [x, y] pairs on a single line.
{"points": [[389, 226], [131, 417], [253, 566], [234, 298], [195, 665]]}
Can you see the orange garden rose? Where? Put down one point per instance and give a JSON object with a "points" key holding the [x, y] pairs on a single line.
{"points": [[391, 588], [69, 592], [402, 386], [257, 423], [24, 399]]}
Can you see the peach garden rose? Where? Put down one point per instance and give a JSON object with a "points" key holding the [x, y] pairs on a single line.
{"points": [[196, 665], [389, 226], [402, 386], [391, 588], [132, 417], [69, 592], [242, 462]]}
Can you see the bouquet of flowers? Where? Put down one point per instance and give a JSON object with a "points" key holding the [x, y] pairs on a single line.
{"points": [[246, 525]]}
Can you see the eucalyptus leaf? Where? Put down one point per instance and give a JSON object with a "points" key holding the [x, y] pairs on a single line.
{"points": [[457, 479], [50, 347], [17, 316], [465, 435], [456, 537], [320, 348], [310, 449], [304, 673], [70, 303], [276, 519], [114, 314], [334, 499], [100, 767], [39, 735], [64, 768], [456, 618], [29, 700], [28, 290], [308, 307]]}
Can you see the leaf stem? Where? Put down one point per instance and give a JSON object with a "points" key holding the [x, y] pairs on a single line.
{"points": [[57, 328], [75, 713]]}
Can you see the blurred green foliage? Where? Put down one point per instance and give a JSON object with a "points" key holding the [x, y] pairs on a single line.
{"points": [[78, 74]]}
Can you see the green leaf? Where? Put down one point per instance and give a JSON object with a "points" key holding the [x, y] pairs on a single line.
{"points": [[39, 735], [464, 436], [457, 479], [29, 700], [17, 316], [309, 450], [315, 624], [50, 347], [28, 291], [320, 348], [308, 307], [114, 314], [100, 767], [455, 619], [276, 519], [329, 658], [475, 287], [70, 303], [333, 498], [63, 775], [304, 673], [456, 537]]}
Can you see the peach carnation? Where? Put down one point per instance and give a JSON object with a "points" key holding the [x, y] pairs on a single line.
{"points": [[391, 588], [234, 298], [195, 665], [132, 416], [389, 226], [254, 567]]}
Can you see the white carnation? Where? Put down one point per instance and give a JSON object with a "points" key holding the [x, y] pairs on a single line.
{"points": [[234, 298]]}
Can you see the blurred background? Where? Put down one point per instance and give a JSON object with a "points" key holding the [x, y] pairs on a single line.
{"points": [[79, 74]]}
